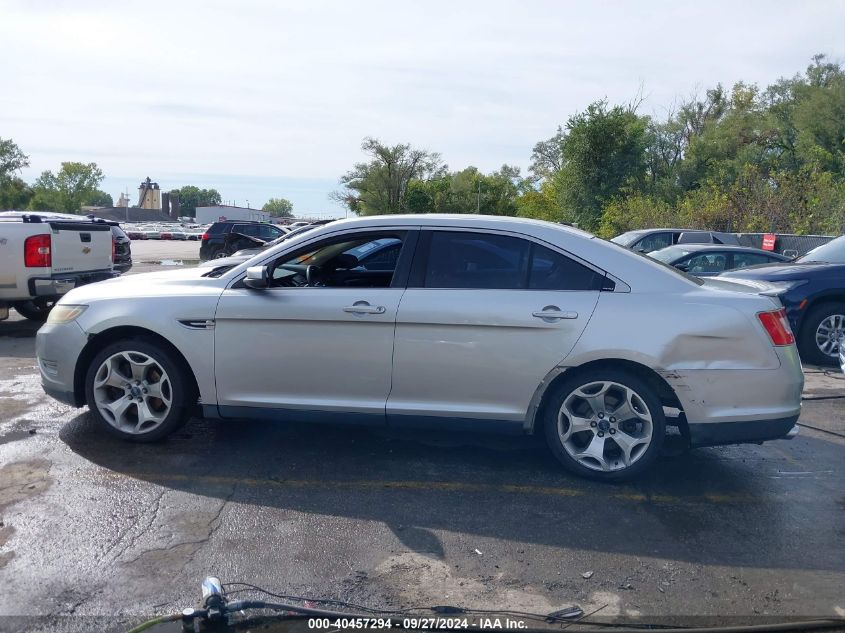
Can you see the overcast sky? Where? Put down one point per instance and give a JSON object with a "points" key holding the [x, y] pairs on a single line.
{"points": [[270, 98]]}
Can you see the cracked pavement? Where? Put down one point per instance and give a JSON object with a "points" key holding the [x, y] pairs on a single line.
{"points": [[91, 526]]}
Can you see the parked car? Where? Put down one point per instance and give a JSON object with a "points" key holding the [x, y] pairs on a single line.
{"points": [[708, 260], [812, 289], [122, 249], [224, 238], [240, 256], [648, 240], [43, 255], [482, 323]]}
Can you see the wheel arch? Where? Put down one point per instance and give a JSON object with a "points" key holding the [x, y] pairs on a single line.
{"points": [[662, 388], [100, 340]]}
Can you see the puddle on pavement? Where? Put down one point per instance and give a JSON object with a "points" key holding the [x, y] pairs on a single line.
{"points": [[14, 436]]}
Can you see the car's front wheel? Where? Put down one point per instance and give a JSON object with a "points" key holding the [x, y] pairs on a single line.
{"points": [[136, 390], [823, 327], [605, 424]]}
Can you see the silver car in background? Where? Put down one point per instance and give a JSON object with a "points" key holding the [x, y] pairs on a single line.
{"points": [[473, 322]]}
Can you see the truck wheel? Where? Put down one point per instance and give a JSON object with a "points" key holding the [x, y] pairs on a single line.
{"points": [[605, 424], [36, 309], [824, 325], [136, 390]]}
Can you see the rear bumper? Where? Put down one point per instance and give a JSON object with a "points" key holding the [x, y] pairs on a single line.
{"points": [[57, 285], [718, 433]]}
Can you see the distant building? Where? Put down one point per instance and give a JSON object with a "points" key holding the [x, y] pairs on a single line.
{"points": [[122, 201], [220, 212], [149, 195]]}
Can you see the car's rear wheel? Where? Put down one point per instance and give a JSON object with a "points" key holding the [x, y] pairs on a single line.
{"points": [[605, 424], [135, 390], [219, 253], [36, 309], [824, 325]]}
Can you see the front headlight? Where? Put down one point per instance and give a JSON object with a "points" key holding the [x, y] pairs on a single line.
{"points": [[782, 287], [65, 313]]}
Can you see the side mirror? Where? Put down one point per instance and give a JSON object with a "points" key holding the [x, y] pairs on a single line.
{"points": [[257, 277]]}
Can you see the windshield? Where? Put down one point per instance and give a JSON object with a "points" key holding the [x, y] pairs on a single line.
{"points": [[669, 255], [831, 253], [626, 239]]}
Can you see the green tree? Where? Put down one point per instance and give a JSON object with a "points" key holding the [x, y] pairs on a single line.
{"points": [[14, 192], [380, 185], [191, 197], [604, 151], [12, 158], [278, 208], [74, 185], [100, 199]]}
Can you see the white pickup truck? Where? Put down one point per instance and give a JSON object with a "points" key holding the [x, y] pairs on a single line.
{"points": [[44, 255]]}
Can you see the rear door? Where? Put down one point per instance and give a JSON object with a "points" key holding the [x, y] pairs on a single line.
{"points": [[485, 317], [77, 247]]}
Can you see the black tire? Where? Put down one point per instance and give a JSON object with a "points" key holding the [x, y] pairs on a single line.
{"points": [[36, 309], [808, 349], [219, 253], [643, 458], [180, 389]]}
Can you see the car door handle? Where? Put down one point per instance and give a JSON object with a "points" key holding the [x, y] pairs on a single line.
{"points": [[362, 307], [553, 313]]}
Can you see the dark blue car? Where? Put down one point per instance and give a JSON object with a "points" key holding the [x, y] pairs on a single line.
{"points": [[812, 289]]}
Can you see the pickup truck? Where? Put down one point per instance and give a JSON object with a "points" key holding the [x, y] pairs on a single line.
{"points": [[43, 255]]}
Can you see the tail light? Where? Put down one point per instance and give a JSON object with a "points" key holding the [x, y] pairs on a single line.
{"points": [[205, 236], [36, 251], [777, 326], [113, 250]]}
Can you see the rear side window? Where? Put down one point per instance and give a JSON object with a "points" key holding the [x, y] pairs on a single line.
{"points": [[217, 227], [476, 260], [741, 260], [252, 230], [488, 261], [553, 271], [654, 242]]}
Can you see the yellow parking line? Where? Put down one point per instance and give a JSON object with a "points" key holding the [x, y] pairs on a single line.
{"points": [[442, 486]]}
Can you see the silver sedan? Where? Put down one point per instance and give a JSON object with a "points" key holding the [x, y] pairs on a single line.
{"points": [[472, 322]]}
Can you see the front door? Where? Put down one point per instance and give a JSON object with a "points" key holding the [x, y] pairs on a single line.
{"points": [[319, 340]]}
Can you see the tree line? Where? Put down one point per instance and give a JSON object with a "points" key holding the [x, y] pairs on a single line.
{"points": [[742, 160], [75, 185]]}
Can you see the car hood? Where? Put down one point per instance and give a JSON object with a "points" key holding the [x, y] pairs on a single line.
{"points": [[187, 281], [232, 260], [779, 272]]}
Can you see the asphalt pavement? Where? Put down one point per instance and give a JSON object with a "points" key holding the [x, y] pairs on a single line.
{"points": [[92, 526]]}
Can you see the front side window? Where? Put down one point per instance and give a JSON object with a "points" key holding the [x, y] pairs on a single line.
{"points": [[489, 261], [338, 262]]}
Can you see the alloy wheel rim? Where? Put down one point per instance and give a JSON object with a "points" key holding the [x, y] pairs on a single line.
{"points": [[133, 392], [605, 426], [828, 334]]}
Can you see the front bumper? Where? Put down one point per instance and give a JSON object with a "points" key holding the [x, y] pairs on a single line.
{"points": [[57, 348]]}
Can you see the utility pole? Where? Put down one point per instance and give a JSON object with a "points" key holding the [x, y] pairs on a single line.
{"points": [[478, 198]]}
